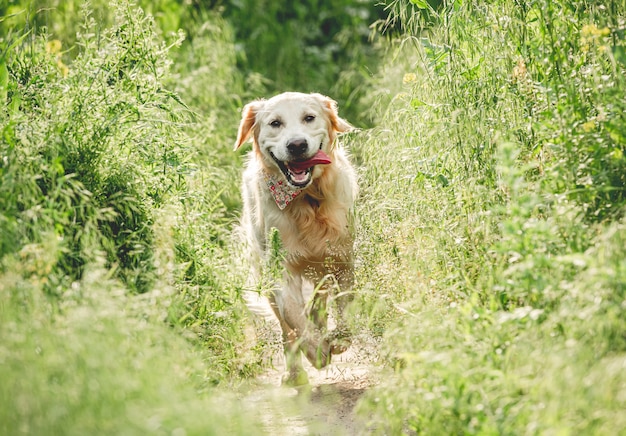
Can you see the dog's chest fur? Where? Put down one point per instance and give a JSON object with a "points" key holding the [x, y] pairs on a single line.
{"points": [[311, 227]]}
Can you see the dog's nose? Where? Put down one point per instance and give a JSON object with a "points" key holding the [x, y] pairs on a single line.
{"points": [[297, 147]]}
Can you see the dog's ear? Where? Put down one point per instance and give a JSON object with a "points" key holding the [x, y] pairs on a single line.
{"points": [[248, 122], [337, 123]]}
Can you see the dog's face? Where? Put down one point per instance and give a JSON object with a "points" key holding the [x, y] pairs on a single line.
{"points": [[293, 133]]}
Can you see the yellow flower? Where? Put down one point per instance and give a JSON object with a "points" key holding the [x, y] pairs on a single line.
{"points": [[588, 30], [519, 71], [53, 46], [62, 67], [589, 126], [409, 78], [604, 32], [584, 47], [592, 30]]}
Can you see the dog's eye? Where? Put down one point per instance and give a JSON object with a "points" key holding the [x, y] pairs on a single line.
{"points": [[309, 118], [276, 123]]}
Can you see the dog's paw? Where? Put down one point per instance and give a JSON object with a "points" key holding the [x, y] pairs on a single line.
{"points": [[339, 340], [295, 378], [338, 347]]}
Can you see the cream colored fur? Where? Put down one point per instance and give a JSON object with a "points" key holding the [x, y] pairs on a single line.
{"points": [[315, 228]]}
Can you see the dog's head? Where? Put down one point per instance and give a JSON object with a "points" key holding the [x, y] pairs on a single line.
{"points": [[293, 134]]}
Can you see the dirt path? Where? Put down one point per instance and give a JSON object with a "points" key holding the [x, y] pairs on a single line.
{"points": [[326, 405]]}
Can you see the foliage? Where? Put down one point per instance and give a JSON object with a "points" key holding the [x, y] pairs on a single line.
{"points": [[503, 208], [104, 363], [311, 46], [208, 279], [490, 234], [90, 150], [113, 227]]}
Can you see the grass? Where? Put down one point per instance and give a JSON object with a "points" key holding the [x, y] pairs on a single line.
{"points": [[491, 227], [117, 315], [102, 361], [505, 313]]}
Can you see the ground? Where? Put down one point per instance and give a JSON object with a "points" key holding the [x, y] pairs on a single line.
{"points": [[324, 407]]}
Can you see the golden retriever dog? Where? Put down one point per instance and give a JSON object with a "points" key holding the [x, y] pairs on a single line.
{"points": [[299, 181]]}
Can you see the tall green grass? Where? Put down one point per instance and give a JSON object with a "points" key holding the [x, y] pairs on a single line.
{"points": [[492, 221], [92, 149], [101, 361], [490, 234], [118, 299]]}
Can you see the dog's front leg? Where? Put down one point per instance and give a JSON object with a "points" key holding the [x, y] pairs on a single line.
{"points": [[287, 303], [290, 302], [295, 374]]}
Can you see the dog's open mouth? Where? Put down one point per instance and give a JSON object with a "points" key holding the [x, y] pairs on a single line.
{"points": [[298, 172]]}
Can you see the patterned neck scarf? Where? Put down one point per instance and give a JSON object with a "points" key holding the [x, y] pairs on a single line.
{"points": [[282, 192]]}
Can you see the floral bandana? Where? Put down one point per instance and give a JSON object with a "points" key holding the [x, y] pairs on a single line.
{"points": [[282, 192]]}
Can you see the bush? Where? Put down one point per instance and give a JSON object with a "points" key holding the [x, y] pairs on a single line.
{"points": [[91, 149], [102, 362], [504, 270], [311, 46], [104, 216]]}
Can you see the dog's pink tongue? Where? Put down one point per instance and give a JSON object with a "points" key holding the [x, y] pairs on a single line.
{"points": [[320, 158]]}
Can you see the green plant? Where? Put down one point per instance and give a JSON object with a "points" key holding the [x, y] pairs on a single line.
{"points": [[107, 230], [312, 46], [505, 310], [490, 235], [90, 149]]}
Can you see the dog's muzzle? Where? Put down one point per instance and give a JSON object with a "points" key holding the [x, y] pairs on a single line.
{"points": [[298, 172]]}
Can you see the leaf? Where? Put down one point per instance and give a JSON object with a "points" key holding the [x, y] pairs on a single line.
{"points": [[619, 53], [421, 4], [443, 180], [415, 103], [4, 72], [14, 44], [436, 54], [4, 81]]}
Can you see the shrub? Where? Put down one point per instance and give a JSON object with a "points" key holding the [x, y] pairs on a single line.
{"points": [[90, 149], [105, 213], [503, 268], [311, 46]]}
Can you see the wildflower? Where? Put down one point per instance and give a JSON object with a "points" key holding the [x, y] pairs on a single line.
{"points": [[593, 31], [589, 126], [519, 71], [64, 69], [53, 47], [590, 35], [409, 78]]}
